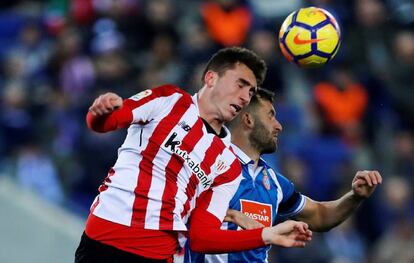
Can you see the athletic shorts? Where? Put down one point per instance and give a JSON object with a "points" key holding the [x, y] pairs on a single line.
{"points": [[91, 251]]}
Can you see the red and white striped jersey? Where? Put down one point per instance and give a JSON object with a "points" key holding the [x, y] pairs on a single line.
{"points": [[168, 164]]}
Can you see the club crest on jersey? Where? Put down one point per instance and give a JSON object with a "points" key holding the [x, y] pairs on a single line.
{"points": [[221, 166], [141, 95], [265, 180], [261, 212], [173, 144]]}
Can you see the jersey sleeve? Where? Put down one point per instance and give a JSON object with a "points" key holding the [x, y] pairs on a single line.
{"points": [[115, 120], [206, 236], [140, 108], [293, 201], [148, 104]]}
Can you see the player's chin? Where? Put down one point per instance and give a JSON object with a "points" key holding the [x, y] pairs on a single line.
{"points": [[269, 147], [230, 116]]}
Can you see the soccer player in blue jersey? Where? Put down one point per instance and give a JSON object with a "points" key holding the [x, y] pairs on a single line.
{"points": [[264, 194]]}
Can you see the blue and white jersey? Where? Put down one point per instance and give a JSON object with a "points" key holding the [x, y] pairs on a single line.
{"points": [[263, 195]]}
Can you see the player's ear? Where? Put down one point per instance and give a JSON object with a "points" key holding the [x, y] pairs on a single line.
{"points": [[247, 119], [210, 78]]}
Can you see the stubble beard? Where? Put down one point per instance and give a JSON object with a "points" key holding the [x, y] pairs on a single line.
{"points": [[261, 139]]}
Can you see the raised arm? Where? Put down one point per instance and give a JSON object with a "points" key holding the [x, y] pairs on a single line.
{"points": [[322, 216], [107, 113]]}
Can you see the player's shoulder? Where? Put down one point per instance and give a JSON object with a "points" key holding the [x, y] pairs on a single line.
{"points": [[279, 175], [169, 89], [275, 175], [163, 91]]}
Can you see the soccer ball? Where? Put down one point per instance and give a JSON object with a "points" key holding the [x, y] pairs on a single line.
{"points": [[309, 37]]}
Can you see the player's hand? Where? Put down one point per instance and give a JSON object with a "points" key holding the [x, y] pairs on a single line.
{"points": [[105, 104], [287, 234], [365, 182], [241, 220]]}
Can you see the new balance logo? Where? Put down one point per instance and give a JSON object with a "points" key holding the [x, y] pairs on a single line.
{"points": [[184, 125]]}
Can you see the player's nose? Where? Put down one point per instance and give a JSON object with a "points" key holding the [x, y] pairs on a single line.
{"points": [[245, 96], [278, 126]]}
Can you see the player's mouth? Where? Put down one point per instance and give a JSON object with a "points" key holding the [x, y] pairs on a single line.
{"points": [[237, 108]]}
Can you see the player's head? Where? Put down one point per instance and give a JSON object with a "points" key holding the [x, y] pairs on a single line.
{"points": [[259, 122], [230, 79], [227, 58]]}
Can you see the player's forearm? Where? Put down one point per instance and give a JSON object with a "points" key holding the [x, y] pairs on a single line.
{"points": [[207, 237], [216, 241], [332, 213], [109, 122]]}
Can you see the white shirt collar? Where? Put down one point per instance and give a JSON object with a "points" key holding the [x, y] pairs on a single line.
{"points": [[249, 163], [244, 158]]}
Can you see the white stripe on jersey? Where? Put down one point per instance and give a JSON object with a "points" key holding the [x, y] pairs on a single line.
{"points": [[279, 189], [181, 197], [218, 205], [217, 258], [299, 208], [156, 109]]}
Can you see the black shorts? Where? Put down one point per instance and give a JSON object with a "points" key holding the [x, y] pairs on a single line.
{"points": [[91, 251]]}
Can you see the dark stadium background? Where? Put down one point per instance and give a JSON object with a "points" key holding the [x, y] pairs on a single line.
{"points": [[58, 55]]}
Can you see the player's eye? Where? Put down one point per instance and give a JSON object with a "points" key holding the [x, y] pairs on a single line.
{"points": [[251, 92]]}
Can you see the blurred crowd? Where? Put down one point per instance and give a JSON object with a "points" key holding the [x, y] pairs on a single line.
{"points": [[356, 113]]}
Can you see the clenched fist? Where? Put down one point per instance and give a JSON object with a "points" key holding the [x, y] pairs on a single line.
{"points": [[105, 104], [365, 182]]}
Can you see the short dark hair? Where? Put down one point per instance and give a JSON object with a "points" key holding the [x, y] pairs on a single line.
{"points": [[227, 58], [261, 94]]}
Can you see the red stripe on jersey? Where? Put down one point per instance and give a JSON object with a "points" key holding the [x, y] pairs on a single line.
{"points": [[203, 201], [148, 155], [173, 168], [170, 190], [230, 175], [190, 192], [217, 146]]}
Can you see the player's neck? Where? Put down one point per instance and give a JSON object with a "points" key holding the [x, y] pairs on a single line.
{"points": [[243, 143], [210, 129], [207, 114], [253, 154], [215, 125]]}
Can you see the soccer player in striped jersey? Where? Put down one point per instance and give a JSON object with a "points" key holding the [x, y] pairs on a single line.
{"points": [[176, 167], [264, 194]]}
